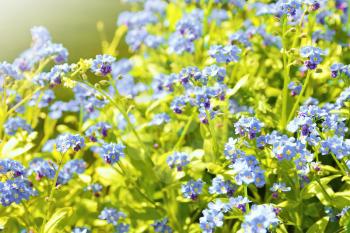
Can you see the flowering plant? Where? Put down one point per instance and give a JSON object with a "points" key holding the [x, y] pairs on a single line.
{"points": [[229, 116]]}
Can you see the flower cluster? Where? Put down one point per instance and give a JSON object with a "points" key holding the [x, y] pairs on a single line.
{"points": [[112, 152], [178, 160], [192, 189], [114, 217], [16, 187], [68, 141]]}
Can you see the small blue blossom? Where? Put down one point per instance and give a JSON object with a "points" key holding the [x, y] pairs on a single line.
{"points": [[81, 230], [225, 54], [192, 189], [95, 188], [9, 70], [15, 191], [11, 166], [260, 218], [220, 186], [42, 99], [111, 215], [336, 145], [280, 187], [42, 168], [13, 125], [294, 88], [178, 104], [102, 64], [314, 56], [75, 166], [68, 141], [162, 226], [249, 126], [98, 130], [159, 119], [112, 152], [178, 160]]}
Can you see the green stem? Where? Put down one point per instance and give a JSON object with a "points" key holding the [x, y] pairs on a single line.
{"points": [[23, 101], [245, 187], [339, 164], [213, 135], [286, 78], [124, 174], [296, 104], [125, 115], [26, 209], [52, 191], [324, 190], [184, 131]]}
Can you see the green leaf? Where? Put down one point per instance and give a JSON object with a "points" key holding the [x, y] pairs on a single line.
{"points": [[238, 85], [56, 218], [3, 221], [319, 226]]}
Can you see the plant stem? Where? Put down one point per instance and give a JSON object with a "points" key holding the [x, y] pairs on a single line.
{"points": [[339, 164], [296, 104], [324, 190], [52, 191], [245, 187], [23, 101], [213, 135], [184, 131], [286, 78]]}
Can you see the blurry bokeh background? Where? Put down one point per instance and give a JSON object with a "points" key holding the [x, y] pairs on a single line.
{"points": [[71, 22]]}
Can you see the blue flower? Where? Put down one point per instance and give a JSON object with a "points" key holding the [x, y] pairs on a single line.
{"points": [[159, 119], [249, 126], [95, 188], [162, 226], [112, 152], [280, 187], [13, 125], [336, 145], [68, 141], [81, 230], [11, 166], [216, 72], [177, 160], [289, 7], [121, 67], [42, 168], [220, 186], [178, 104], [188, 29], [225, 54], [137, 19], [45, 98], [294, 88], [217, 16], [111, 215], [247, 171], [98, 130], [338, 69], [75, 166], [122, 228], [192, 189], [232, 152], [135, 38], [9, 70], [102, 64], [242, 37], [260, 218], [15, 191], [314, 56], [344, 211]]}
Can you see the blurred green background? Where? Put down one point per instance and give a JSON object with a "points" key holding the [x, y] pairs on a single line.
{"points": [[71, 22]]}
